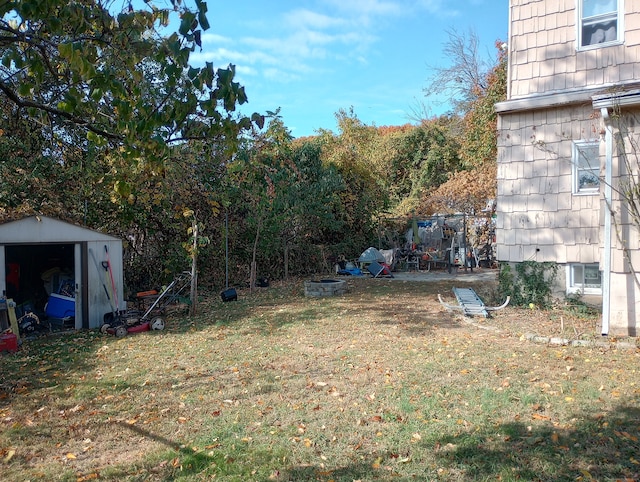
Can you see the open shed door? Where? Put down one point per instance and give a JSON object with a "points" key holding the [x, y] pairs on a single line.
{"points": [[47, 279]]}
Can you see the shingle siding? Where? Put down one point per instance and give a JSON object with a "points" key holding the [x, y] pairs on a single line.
{"points": [[544, 56]]}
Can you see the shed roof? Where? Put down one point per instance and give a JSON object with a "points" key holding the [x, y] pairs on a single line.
{"points": [[43, 229]]}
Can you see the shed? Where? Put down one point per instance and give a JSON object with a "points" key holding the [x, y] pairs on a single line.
{"points": [[41, 256]]}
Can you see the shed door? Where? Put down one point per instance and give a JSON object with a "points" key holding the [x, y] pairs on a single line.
{"points": [[47, 273]]}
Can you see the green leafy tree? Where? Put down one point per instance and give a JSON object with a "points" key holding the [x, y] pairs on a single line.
{"points": [[75, 66], [364, 195], [106, 106], [284, 202]]}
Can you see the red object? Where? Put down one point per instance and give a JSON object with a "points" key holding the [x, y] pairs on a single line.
{"points": [[146, 326], [139, 328], [9, 342], [13, 276], [142, 294]]}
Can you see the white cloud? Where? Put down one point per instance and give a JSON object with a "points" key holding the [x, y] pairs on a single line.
{"points": [[303, 41], [212, 38], [368, 8], [251, 59], [303, 18], [280, 75]]}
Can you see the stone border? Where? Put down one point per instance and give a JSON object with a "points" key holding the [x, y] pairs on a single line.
{"points": [[325, 287], [549, 340], [557, 341]]}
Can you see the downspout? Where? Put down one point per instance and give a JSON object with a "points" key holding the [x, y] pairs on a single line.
{"points": [[509, 49], [608, 191]]}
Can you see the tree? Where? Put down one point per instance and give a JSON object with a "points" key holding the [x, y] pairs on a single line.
{"points": [[474, 183], [364, 195], [106, 107], [116, 78], [466, 78]]}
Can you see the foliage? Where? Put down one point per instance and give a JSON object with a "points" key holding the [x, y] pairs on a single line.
{"points": [[285, 200], [114, 77], [419, 160], [472, 182], [105, 122], [530, 285], [364, 195], [479, 141]]}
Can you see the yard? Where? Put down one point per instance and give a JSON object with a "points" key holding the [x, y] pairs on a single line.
{"points": [[379, 384]]}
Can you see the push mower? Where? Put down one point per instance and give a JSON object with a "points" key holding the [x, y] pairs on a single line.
{"points": [[136, 321]]}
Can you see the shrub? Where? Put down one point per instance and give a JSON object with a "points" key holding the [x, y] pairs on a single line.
{"points": [[530, 284]]}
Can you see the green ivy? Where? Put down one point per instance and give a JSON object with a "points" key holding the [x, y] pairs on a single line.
{"points": [[530, 284]]}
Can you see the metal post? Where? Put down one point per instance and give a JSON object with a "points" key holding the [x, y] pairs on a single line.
{"points": [[226, 249]]}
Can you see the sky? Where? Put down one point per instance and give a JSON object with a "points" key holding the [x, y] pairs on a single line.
{"points": [[311, 58]]}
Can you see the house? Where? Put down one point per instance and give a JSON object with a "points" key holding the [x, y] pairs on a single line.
{"points": [[566, 145], [46, 260]]}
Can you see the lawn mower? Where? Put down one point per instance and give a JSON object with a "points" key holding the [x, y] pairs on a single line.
{"points": [[152, 318]]}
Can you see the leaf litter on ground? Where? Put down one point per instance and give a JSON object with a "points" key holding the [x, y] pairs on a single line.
{"points": [[377, 383]]}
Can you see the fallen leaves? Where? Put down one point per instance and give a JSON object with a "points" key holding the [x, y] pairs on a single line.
{"points": [[8, 456]]}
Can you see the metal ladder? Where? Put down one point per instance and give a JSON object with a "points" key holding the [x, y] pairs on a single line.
{"points": [[470, 303]]}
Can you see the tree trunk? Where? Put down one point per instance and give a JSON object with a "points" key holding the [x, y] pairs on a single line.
{"points": [[252, 276], [286, 260], [194, 272]]}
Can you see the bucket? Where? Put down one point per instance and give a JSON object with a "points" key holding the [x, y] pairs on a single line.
{"points": [[229, 295]]}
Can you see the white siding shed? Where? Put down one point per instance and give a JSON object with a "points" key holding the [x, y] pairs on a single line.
{"points": [[39, 255]]}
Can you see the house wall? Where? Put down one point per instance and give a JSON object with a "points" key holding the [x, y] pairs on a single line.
{"points": [[625, 291], [538, 217], [551, 81], [543, 53]]}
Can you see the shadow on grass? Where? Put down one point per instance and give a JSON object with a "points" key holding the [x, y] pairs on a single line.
{"points": [[241, 462], [46, 362], [597, 447]]}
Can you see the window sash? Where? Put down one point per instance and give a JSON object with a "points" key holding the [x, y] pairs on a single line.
{"points": [[586, 167], [599, 22], [585, 277]]}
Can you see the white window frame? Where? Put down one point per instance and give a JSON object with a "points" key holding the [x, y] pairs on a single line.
{"points": [[593, 31], [577, 165], [578, 286]]}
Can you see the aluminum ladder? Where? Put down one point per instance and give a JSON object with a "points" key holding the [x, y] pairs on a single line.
{"points": [[470, 303]]}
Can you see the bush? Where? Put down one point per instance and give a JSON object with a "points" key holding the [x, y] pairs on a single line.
{"points": [[530, 284]]}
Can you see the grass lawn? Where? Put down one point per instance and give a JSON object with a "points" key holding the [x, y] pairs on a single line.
{"points": [[379, 384]]}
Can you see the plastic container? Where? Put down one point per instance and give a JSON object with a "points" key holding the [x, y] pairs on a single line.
{"points": [[8, 342], [229, 295], [60, 306]]}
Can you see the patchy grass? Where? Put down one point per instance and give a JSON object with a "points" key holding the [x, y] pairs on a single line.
{"points": [[379, 384]]}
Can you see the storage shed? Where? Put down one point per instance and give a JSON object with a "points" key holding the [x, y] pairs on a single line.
{"points": [[61, 270]]}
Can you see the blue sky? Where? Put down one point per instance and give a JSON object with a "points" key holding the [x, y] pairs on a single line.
{"points": [[311, 58]]}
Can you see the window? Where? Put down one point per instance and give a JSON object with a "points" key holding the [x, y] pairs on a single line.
{"points": [[584, 278], [586, 167], [599, 22]]}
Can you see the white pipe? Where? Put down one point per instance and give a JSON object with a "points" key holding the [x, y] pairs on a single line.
{"points": [[608, 191]]}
